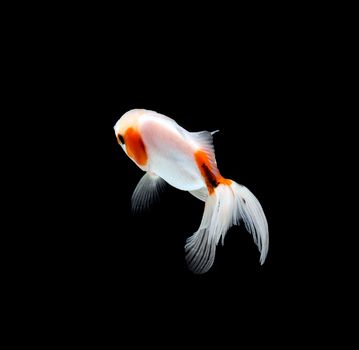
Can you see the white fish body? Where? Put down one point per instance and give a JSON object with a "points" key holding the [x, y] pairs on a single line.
{"points": [[186, 160], [169, 149]]}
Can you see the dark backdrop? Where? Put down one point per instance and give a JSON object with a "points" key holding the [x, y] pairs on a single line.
{"points": [[260, 84], [265, 78], [261, 105]]}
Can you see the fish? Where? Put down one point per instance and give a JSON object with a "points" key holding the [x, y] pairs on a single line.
{"points": [[168, 153]]}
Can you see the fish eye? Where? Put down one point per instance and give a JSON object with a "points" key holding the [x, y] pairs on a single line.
{"points": [[122, 140]]}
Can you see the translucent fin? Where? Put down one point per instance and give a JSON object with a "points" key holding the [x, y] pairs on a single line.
{"points": [[225, 207], [217, 217], [204, 140], [251, 213], [147, 191], [201, 194]]}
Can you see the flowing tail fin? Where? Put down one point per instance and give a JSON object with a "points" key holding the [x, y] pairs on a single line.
{"points": [[226, 206]]}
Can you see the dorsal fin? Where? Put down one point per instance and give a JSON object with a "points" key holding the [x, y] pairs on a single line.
{"points": [[204, 139]]}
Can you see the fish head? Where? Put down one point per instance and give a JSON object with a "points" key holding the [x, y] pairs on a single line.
{"points": [[129, 137], [128, 121]]}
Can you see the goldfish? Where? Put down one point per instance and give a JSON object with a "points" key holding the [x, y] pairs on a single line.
{"points": [[168, 153]]}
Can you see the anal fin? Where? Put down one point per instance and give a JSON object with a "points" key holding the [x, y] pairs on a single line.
{"points": [[201, 194]]}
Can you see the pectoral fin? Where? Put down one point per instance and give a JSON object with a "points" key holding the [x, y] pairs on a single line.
{"points": [[147, 191]]}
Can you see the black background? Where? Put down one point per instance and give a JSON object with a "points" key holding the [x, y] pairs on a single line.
{"points": [[260, 100], [261, 79]]}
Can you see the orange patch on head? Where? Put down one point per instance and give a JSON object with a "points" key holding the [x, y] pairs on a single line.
{"points": [[212, 177], [135, 147]]}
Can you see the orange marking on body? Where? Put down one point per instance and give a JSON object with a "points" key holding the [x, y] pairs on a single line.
{"points": [[225, 181], [212, 180], [135, 147]]}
